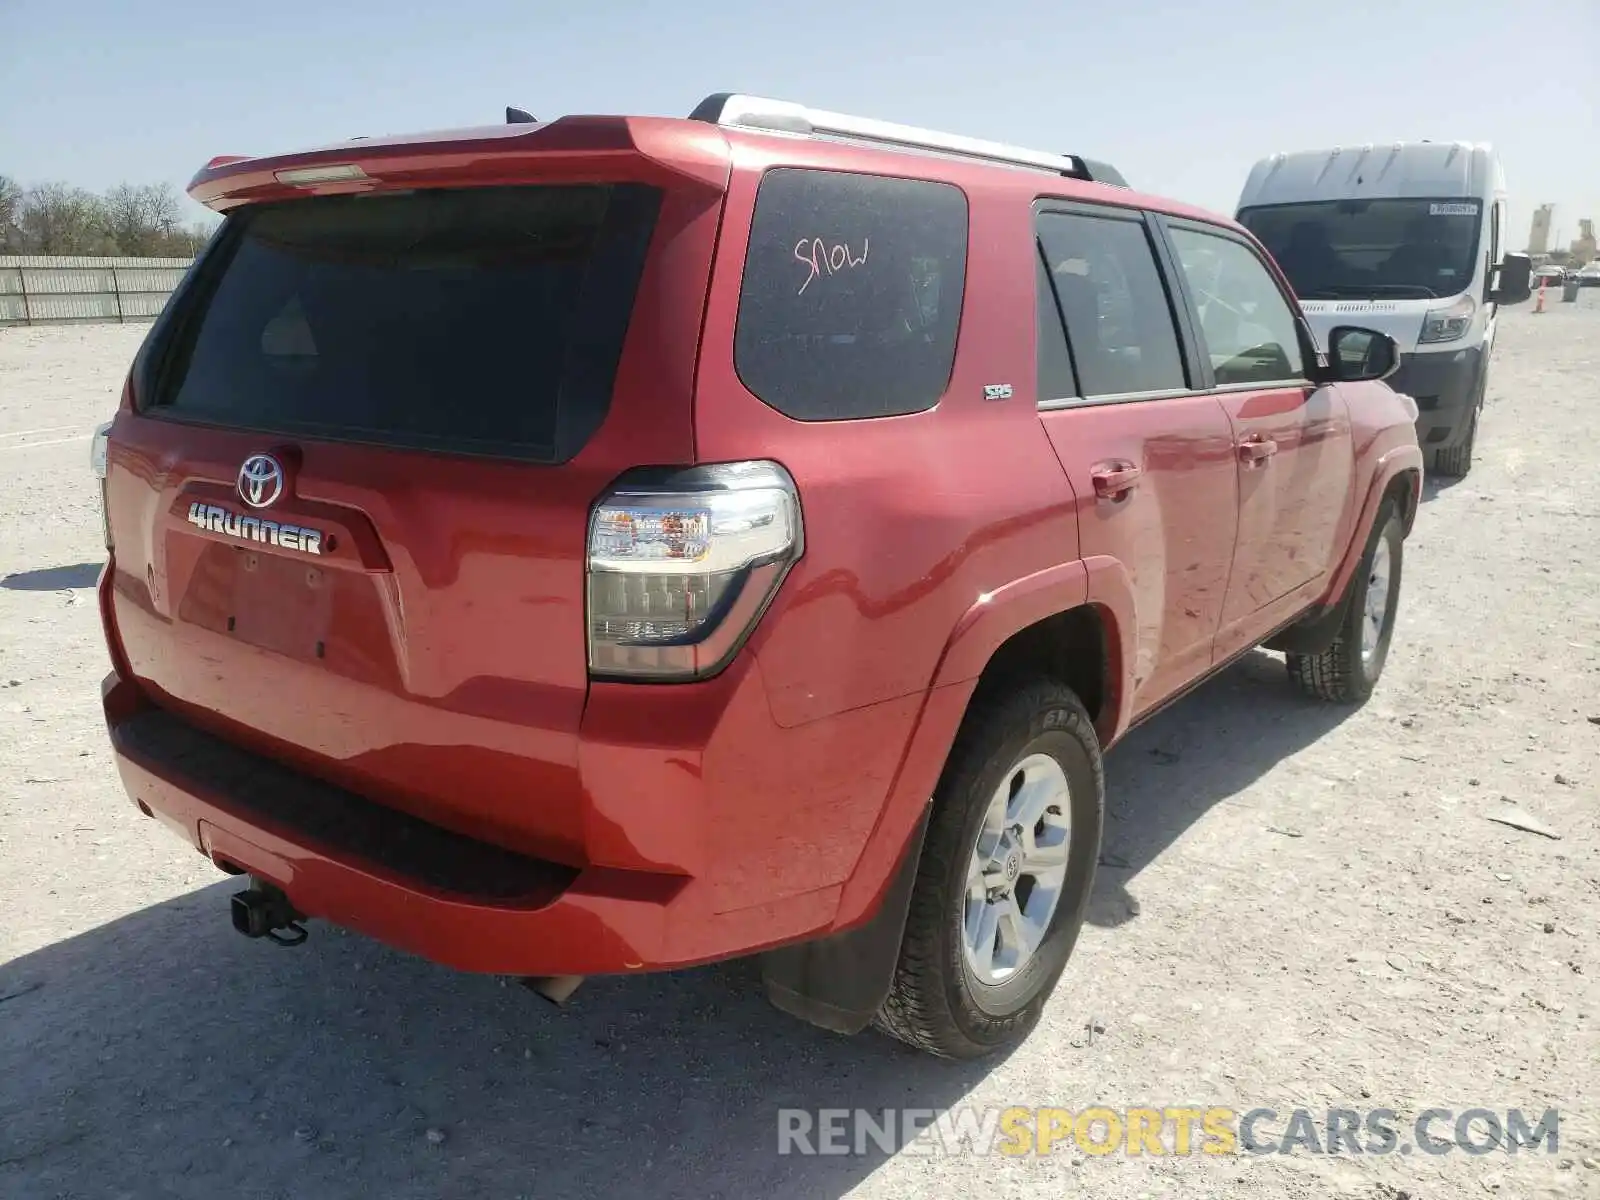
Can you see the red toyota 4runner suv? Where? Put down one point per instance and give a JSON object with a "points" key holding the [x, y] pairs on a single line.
{"points": [[621, 543]]}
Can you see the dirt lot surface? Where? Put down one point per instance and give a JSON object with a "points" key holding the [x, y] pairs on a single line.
{"points": [[1300, 908]]}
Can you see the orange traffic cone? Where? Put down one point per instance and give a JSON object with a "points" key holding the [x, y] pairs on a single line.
{"points": [[1539, 306]]}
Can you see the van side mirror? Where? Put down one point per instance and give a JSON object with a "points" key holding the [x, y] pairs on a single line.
{"points": [[1356, 354], [1515, 282]]}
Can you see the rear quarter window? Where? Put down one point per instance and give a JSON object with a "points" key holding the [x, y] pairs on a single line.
{"points": [[851, 296]]}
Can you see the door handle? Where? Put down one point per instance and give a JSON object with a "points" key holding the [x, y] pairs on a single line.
{"points": [[1115, 479], [1257, 448]]}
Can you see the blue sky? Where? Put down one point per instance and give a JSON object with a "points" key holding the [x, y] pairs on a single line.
{"points": [[1182, 97]]}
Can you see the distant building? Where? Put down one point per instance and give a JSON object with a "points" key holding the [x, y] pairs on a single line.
{"points": [[1539, 235], [1585, 249]]}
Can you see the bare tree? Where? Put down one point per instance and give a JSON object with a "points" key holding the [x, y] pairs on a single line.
{"points": [[186, 243], [58, 219], [142, 220], [10, 215], [137, 220]]}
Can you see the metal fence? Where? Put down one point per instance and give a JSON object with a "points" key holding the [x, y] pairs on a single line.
{"points": [[61, 290]]}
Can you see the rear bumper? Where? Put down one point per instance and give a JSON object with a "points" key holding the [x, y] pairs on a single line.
{"points": [[464, 903], [1445, 386], [451, 899]]}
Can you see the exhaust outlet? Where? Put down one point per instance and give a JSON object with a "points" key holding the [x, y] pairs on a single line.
{"points": [[557, 989], [261, 910]]}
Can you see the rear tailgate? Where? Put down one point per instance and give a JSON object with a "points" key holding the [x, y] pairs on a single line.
{"points": [[349, 492]]}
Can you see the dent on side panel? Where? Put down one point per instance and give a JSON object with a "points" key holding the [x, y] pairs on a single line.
{"points": [[791, 808], [713, 789], [918, 775]]}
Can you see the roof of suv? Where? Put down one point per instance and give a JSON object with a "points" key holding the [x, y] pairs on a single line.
{"points": [[699, 146]]}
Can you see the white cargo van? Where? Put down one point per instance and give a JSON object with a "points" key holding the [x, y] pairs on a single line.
{"points": [[1408, 239]]}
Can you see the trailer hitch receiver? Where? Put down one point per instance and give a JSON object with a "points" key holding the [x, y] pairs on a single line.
{"points": [[262, 910]]}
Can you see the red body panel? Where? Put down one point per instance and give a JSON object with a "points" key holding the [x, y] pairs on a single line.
{"points": [[1173, 532], [434, 660], [963, 499], [1293, 507]]}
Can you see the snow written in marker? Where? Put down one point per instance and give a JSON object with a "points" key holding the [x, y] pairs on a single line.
{"points": [[819, 257]]}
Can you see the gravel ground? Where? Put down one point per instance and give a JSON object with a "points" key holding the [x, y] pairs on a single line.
{"points": [[1300, 908]]}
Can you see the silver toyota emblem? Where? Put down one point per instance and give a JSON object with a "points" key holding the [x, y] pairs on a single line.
{"points": [[260, 481]]}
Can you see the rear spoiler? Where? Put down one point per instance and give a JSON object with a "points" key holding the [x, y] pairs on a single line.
{"points": [[665, 149]]}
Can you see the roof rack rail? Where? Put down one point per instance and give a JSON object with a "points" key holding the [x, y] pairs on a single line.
{"points": [[1103, 172], [736, 109]]}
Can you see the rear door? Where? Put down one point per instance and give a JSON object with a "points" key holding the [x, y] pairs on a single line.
{"points": [[350, 498], [1291, 438], [1149, 457]]}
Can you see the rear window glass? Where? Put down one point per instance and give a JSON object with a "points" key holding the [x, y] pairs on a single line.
{"points": [[852, 294], [485, 320]]}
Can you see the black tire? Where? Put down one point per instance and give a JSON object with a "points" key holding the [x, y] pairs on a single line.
{"points": [[936, 1004], [1340, 674], [1456, 462]]}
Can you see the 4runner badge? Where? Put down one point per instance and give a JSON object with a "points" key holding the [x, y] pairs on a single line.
{"points": [[213, 518]]}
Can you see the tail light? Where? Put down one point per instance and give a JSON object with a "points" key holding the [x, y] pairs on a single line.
{"points": [[100, 442], [682, 562], [99, 446]]}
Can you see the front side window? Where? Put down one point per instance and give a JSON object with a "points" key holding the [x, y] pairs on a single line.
{"points": [[851, 295], [1249, 330], [1119, 321], [1333, 249]]}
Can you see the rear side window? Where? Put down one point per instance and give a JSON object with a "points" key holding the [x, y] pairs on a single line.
{"points": [[485, 320], [1119, 320], [851, 295]]}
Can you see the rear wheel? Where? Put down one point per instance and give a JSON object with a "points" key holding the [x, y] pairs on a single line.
{"points": [[1005, 876], [1347, 671]]}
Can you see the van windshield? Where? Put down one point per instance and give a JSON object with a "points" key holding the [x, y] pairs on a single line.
{"points": [[1337, 249]]}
